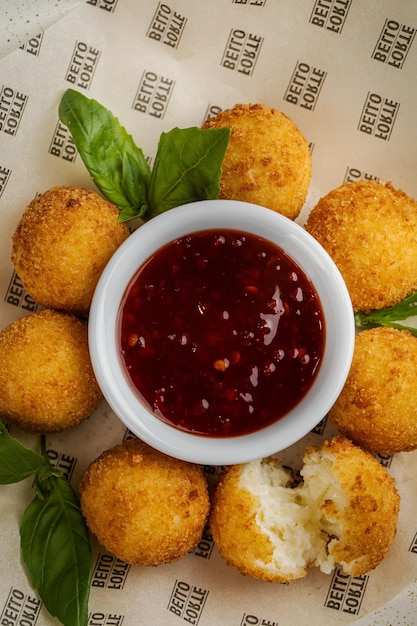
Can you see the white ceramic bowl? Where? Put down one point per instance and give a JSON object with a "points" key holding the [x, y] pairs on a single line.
{"points": [[310, 256]]}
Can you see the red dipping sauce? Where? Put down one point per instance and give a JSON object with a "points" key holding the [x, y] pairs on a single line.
{"points": [[221, 333]]}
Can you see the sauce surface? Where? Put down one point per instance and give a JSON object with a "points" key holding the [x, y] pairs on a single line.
{"points": [[221, 333]]}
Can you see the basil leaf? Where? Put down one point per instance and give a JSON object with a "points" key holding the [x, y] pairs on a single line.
{"points": [[56, 550], [388, 316], [187, 167], [117, 166], [16, 461]]}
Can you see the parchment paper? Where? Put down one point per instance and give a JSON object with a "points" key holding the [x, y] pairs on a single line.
{"points": [[345, 72], [21, 20]]}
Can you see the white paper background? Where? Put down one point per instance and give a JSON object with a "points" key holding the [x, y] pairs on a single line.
{"points": [[120, 35], [22, 19]]}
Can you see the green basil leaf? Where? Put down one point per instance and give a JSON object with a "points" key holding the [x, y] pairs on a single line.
{"points": [[117, 166], [16, 461], [366, 324], [388, 316], [56, 550], [187, 167]]}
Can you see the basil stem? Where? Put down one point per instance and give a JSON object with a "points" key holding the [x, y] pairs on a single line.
{"points": [[112, 158], [390, 315]]}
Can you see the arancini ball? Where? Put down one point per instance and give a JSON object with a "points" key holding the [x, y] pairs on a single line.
{"points": [[345, 511], [267, 160], [47, 383], [370, 231], [377, 407], [145, 507], [61, 245]]}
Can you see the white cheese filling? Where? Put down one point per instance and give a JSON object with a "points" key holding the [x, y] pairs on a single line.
{"points": [[291, 517]]}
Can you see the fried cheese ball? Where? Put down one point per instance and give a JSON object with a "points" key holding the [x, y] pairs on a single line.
{"points": [[62, 244], [345, 511], [377, 407], [47, 383], [370, 231], [267, 160], [145, 507]]}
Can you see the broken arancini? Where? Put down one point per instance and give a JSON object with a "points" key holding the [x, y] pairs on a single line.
{"points": [[344, 512], [145, 507], [370, 231], [47, 383], [62, 244], [377, 407], [267, 160]]}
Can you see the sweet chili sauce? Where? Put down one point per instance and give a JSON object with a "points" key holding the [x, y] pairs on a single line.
{"points": [[221, 333]]}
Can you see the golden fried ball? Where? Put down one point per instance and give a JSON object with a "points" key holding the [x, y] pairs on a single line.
{"points": [[377, 407], [370, 231], [358, 498], [62, 244], [143, 506], [267, 160], [345, 511], [47, 381]]}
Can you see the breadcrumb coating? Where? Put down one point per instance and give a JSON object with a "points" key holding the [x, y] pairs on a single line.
{"points": [[267, 160], [47, 381], [345, 511], [370, 231], [368, 520], [143, 506], [377, 407], [62, 243]]}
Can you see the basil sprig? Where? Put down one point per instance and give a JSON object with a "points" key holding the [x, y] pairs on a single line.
{"points": [[54, 537], [187, 165], [389, 316]]}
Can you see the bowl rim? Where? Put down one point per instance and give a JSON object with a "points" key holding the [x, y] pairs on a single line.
{"points": [[313, 259]]}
